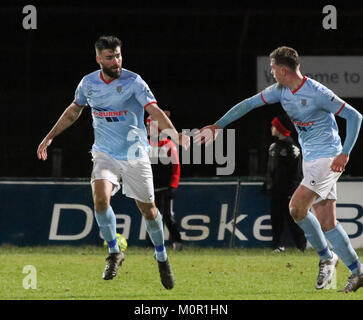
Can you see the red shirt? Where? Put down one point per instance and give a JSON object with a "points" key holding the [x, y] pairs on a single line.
{"points": [[166, 175]]}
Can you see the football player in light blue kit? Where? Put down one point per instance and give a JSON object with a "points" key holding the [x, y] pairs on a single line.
{"points": [[117, 99], [312, 108]]}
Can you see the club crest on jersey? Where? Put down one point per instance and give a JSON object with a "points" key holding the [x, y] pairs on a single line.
{"points": [[303, 102], [119, 89]]}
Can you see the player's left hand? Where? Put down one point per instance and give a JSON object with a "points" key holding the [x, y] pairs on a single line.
{"points": [[339, 163], [207, 134]]}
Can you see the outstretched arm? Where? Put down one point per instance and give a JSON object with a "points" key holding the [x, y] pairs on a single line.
{"points": [[69, 116], [240, 109], [209, 133]]}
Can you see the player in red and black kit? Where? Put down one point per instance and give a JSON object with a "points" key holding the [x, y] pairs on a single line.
{"points": [[166, 174], [284, 174]]}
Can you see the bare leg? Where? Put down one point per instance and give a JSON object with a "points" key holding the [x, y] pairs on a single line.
{"points": [[300, 204], [101, 192], [148, 210], [325, 212]]}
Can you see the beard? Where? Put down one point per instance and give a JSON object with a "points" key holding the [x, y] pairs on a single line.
{"points": [[112, 72]]}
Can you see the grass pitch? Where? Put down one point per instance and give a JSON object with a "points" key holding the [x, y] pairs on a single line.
{"points": [[75, 273]]}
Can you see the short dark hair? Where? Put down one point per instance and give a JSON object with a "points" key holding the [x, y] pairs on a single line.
{"points": [[107, 42], [286, 56]]}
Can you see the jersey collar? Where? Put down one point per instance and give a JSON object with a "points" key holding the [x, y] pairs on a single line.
{"points": [[107, 82], [299, 87]]}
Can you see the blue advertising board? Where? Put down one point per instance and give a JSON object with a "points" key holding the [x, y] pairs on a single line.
{"points": [[209, 213]]}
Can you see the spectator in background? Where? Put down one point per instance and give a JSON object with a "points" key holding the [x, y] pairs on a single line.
{"points": [[284, 174], [166, 175]]}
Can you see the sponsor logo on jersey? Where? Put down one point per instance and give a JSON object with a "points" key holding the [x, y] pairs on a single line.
{"points": [[304, 126], [110, 116]]}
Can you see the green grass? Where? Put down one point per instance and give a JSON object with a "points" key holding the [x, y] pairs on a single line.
{"points": [[201, 274]]}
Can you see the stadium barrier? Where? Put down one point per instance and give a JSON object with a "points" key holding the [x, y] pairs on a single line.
{"points": [[210, 212]]}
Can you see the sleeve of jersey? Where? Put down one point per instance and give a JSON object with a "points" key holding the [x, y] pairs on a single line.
{"points": [[79, 96], [267, 96], [175, 176], [330, 102], [143, 93], [354, 120], [271, 94]]}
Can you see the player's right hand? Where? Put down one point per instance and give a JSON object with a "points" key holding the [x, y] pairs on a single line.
{"points": [[42, 149], [339, 163], [207, 134]]}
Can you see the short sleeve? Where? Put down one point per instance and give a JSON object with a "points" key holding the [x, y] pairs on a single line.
{"points": [[329, 101], [143, 93], [271, 94], [79, 96]]}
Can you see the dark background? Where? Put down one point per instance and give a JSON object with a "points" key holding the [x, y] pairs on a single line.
{"points": [[199, 59]]}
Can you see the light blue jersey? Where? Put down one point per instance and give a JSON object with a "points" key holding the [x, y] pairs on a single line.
{"points": [[312, 108], [118, 113]]}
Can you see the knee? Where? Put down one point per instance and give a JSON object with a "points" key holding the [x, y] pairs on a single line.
{"points": [[101, 203], [328, 223], [296, 212], [149, 211]]}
